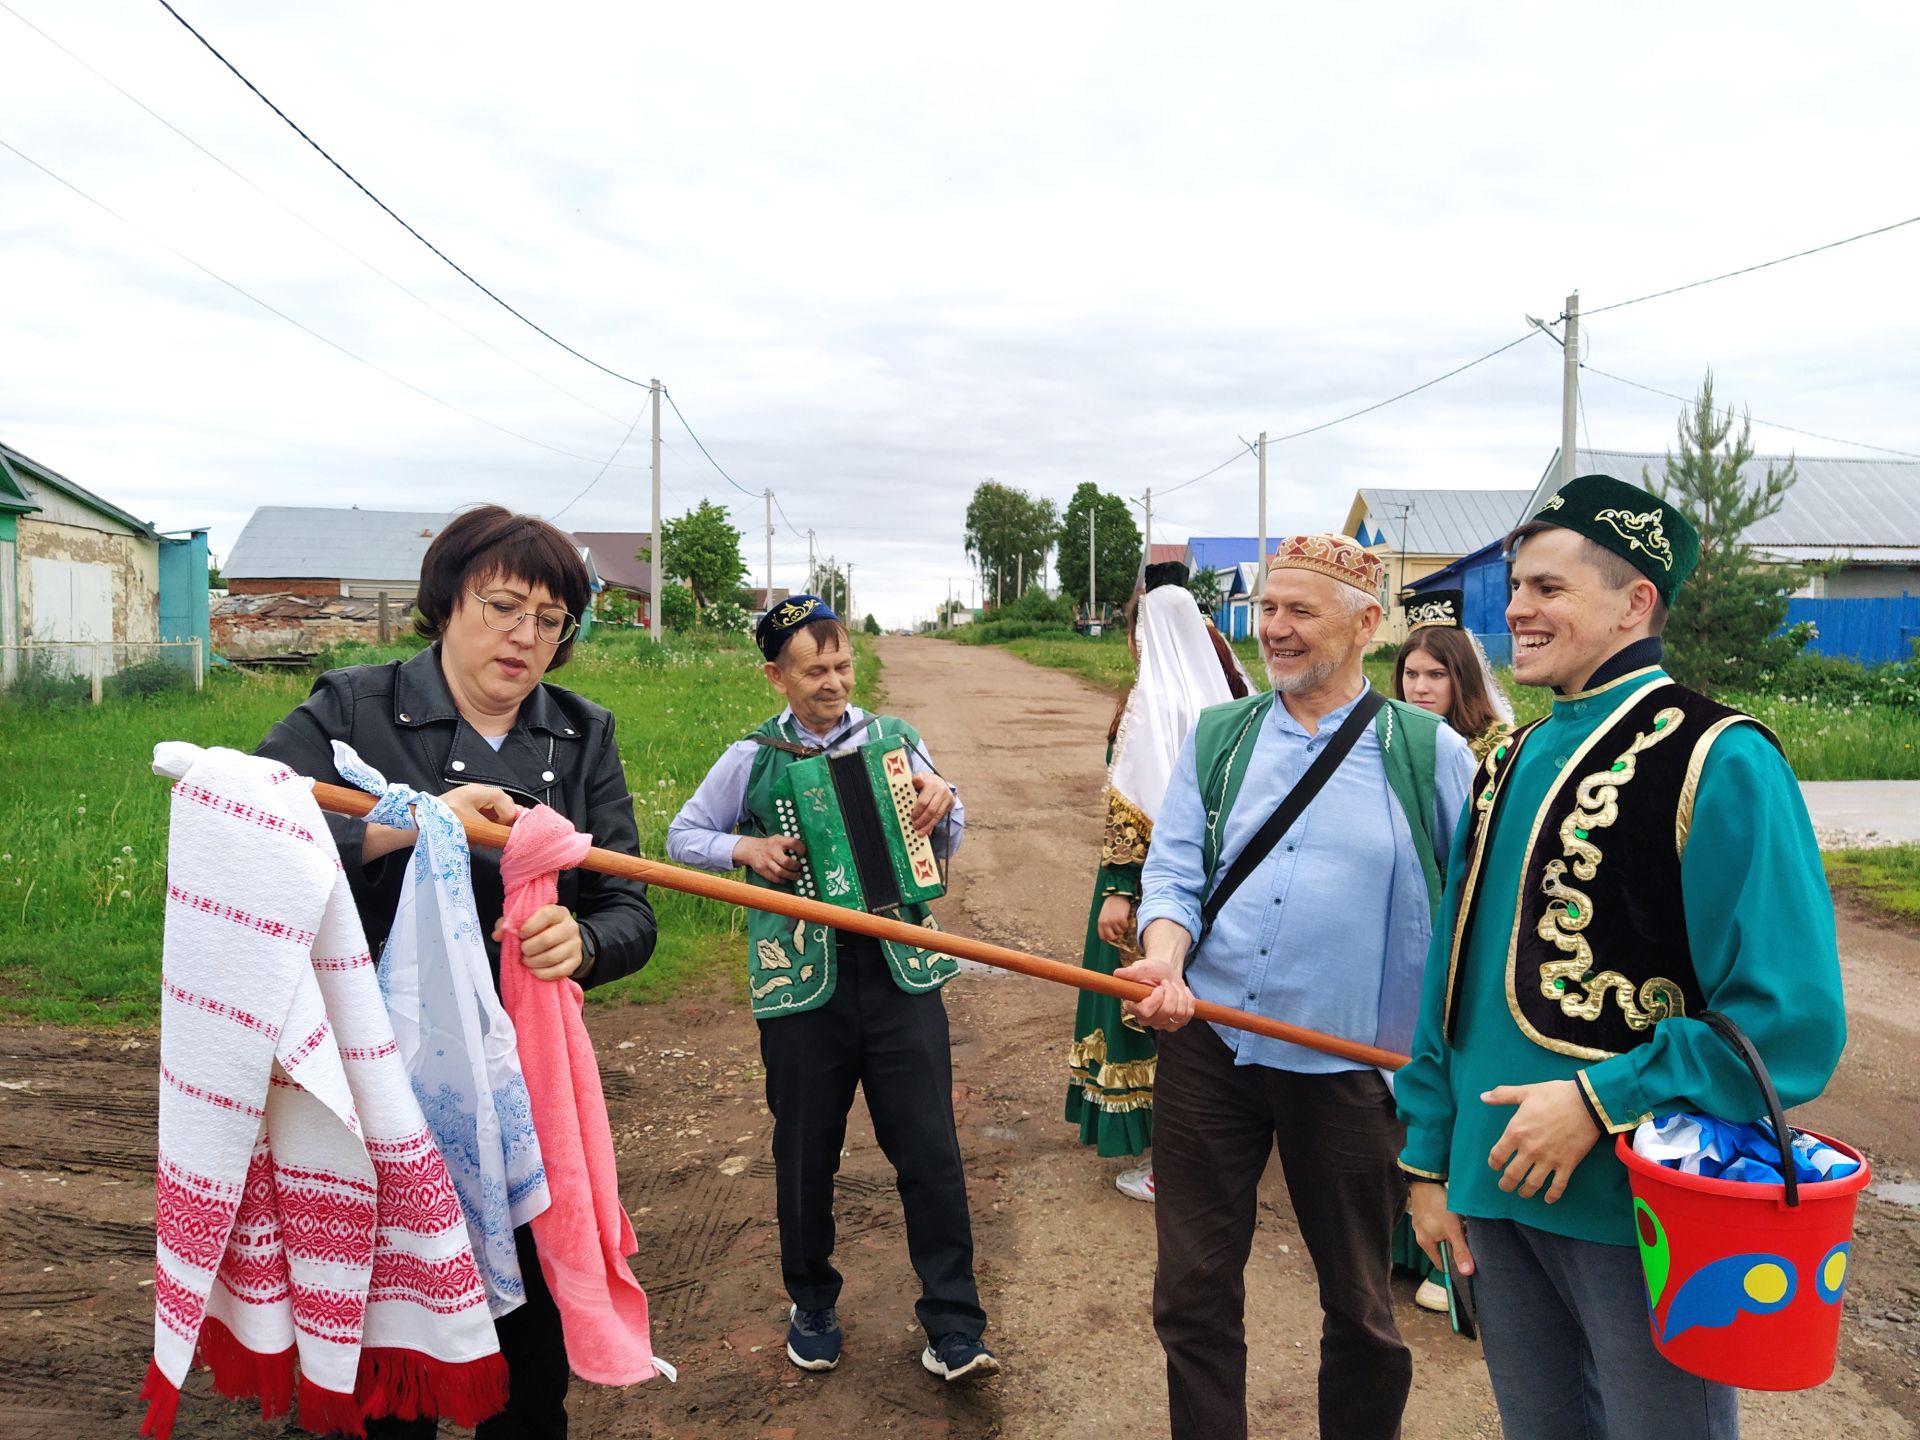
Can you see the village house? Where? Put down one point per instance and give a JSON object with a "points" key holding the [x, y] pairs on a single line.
{"points": [[90, 585]]}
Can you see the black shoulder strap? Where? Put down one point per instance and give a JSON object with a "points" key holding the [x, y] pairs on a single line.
{"points": [[1290, 807]]}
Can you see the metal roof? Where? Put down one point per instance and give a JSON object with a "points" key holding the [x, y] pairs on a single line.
{"points": [[36, 473], [1219, 552], [1433, 522], [615, 557], [1837, 502], [299, 542]]}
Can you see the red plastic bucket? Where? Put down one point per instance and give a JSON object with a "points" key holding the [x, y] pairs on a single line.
{"points": [[1742, 1286]]}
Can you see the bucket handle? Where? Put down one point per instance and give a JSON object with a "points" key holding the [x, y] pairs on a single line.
{"points": [[1776, 1116]]}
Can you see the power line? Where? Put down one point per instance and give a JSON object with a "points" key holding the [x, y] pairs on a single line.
{"points": [[321, 151], [1744, 270], [702, 444], [798, 533], [1768, 424], [272, 310], [1392, 399], [1237, 455], [604, 468], [268, 195]]}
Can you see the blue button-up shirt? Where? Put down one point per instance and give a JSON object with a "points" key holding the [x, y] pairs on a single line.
{"points": [[1331, 930], [704, 833]]}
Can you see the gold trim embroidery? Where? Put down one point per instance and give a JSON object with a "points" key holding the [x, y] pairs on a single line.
{"points": [[1570, 911], [1488, 779], [1490, 739], [1420, 1174], [1644, 532], [1127, 1085], [1127, 834], [1607, 1120], [1696, 763], [1615, 683], [1600, 732]]}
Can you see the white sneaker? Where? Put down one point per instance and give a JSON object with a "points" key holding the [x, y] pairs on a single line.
{"points": [[1431, 1295], [1137, 1183]]}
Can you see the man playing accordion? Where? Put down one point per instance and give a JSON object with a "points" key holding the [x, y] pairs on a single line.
{"points": [[839, 1010]]}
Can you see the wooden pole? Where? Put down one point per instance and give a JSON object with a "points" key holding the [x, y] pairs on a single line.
{"points": [[343, 801]]}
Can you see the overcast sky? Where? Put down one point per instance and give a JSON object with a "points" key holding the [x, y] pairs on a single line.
{"points": [[880, 253]]}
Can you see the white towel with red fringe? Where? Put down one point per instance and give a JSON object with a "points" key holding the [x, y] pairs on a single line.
{"points": [[301, 1210]]}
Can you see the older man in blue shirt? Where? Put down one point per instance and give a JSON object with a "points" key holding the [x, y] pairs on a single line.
{"points": [[1329, 931]]}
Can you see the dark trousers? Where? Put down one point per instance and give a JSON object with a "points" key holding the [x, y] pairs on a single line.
{"points": [[893, 1045], [537, 1372], [1564, 1326], [1214, 1126]]}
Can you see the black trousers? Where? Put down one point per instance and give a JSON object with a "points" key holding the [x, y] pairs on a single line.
{"points": [[874, 1035], [1215, 1126], [537, 1372]]}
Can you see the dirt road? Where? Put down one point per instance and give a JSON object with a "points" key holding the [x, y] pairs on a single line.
{"points": [[1065, 1261]]}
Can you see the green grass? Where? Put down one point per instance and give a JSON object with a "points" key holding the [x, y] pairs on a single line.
{"points": [[83, 851], [1886, 880], [1826, 737]]}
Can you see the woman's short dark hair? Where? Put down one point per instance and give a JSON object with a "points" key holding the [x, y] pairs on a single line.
{"points": [[1472, 709], [490, 542]]}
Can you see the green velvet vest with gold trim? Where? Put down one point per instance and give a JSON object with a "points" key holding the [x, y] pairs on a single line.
{"points": [[791, 964], [1599, 953]]}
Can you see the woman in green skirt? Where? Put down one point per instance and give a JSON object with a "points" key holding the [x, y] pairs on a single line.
{"points": [[1184, 666]]}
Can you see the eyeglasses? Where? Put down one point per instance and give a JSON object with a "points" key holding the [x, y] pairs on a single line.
{"points": [[503, 612]]}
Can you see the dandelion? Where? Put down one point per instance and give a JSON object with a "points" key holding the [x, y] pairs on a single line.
{"points": [[79, 809], [126, 894], [126, 849]]}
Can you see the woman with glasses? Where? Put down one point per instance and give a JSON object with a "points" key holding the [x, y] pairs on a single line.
{"points": [[471, 717]]}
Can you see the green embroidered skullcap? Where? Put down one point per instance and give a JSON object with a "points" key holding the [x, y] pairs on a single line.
{"points": [[1647, 532]]}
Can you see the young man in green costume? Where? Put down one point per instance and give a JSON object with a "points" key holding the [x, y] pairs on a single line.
{"points": [[839, 1010], [1329, 930], [1638, 856]]}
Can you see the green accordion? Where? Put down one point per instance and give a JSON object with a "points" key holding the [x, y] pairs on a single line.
{"points": [[851, 809]]}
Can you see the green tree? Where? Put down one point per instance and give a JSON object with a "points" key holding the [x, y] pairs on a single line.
{"points": [[1721, 631], [1207, 589], [1008, 534], [1116, 547], [677, 607], [703, 549], [829, 582], [870, 625], [615, 606]]}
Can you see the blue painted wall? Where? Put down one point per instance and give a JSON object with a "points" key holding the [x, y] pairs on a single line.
{"points": [[183, 592], [1872, 631]]}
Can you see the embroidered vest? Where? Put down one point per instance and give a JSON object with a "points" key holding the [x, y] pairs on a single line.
{"points": [[791, 963], [1223, 746], [1599, 954]]}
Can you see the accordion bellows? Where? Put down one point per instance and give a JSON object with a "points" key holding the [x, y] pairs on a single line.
{"points": [[852, 811]]}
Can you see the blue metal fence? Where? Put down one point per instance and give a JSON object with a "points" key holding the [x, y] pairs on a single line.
{"points": [[1871, 630]]}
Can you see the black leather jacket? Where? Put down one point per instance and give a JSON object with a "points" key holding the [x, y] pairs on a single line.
{"points": [[401, 719]]}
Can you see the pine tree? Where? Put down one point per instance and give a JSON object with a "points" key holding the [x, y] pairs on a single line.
{"points": [[1721, 633]]}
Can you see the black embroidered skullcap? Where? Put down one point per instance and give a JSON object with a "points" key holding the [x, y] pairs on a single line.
{"points": [[783, 619], [1165, 572], [1647, 532]]}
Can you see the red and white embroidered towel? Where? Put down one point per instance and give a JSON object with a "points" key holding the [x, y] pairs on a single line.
{"points": [[584, 1236], [300, 1207]]}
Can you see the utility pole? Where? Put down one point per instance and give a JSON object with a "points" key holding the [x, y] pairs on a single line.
{"points": [[656, 577], [946, 615], [1570, 388], [1093, 511], [769, 495], [847, 595], [1262, 452], [1146, 555], [811, 581], [1019, 576]]}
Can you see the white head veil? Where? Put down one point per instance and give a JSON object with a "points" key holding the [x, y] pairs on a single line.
{"points": [[1180, 676], [1502, 706]]}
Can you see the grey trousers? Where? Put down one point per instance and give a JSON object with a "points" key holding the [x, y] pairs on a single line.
{"points": [[1564, 1326]]}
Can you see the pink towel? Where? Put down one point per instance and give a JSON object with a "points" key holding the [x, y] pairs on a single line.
{"points": [[584, 1236]]}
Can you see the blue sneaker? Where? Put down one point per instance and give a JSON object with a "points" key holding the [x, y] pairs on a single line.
{"points": [[954, 1356], [813, 1338]]}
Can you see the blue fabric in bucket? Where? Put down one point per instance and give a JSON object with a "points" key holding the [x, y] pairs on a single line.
{"points": [[1724, 1150]]}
